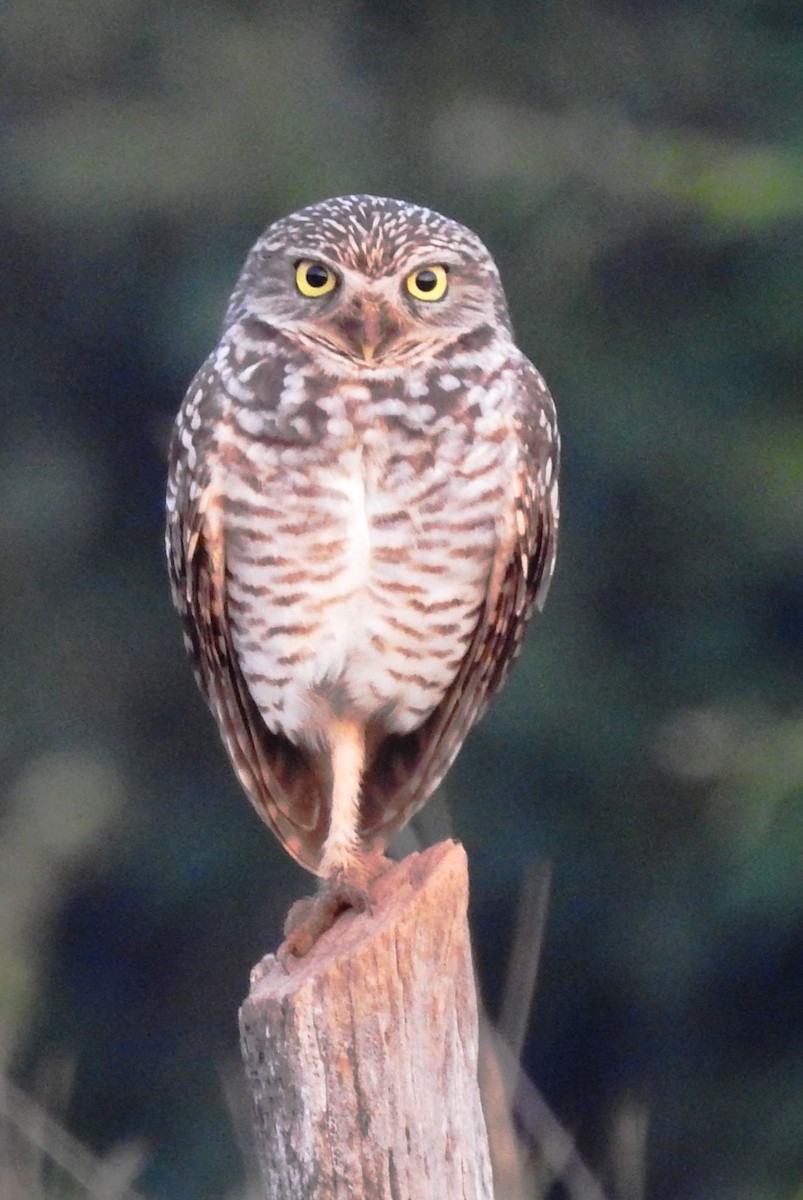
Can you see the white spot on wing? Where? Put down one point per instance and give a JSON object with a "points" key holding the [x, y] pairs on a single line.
{"points": [[339, 427]]}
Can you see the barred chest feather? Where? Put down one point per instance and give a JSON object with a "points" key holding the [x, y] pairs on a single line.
{"points": [[358, 563]]}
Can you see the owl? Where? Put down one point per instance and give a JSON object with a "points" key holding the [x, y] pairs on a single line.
{"points": [[362, 513]]}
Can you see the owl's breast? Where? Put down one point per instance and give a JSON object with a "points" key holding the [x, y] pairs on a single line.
{"points": [[356, 576]]}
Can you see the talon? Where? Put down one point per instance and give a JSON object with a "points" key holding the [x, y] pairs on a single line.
{"points": [[351, 895], [299, 912], [311, 917], [262, 968]]}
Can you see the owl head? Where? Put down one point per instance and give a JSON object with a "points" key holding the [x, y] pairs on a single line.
{"points": [[371, 282]]}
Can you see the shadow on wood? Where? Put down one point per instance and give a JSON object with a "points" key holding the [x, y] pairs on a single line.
{"points": [[362, 1056]]}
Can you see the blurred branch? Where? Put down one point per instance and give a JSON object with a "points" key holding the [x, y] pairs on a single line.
{"points": [[508, 1096], [525, 956], [628, 1154], [553, 1144], [498, 1075], [102, 1178]]}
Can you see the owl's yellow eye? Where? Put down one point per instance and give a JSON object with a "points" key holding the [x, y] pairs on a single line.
{"points": [[428, 283], [314, 279]]}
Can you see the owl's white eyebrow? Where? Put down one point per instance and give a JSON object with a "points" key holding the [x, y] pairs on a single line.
{"points": [[296, 254], [444, 258]]}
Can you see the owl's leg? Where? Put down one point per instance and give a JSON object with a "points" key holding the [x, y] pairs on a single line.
{"points": [[347, 868], [347, 748]]}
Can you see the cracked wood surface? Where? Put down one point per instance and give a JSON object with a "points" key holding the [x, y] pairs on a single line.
{"points": [[362, 1056]]}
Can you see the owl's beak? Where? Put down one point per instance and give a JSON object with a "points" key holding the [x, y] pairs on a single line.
{"points": [[371, 331], [368, 326]]}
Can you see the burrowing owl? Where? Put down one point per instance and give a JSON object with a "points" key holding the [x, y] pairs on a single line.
{"points": [[362, 516]]}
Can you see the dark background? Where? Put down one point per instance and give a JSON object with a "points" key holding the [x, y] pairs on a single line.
{"points": [[637, 170]]}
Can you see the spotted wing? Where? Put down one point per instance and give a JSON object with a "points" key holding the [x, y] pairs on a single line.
{"points": [[282, 781], [406, 769]]}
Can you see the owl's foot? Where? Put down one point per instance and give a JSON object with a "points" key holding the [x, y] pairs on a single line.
{"points": [[309, 918]]}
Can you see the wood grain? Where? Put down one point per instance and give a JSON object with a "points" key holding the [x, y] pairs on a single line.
{"points": [[362, 1056]]}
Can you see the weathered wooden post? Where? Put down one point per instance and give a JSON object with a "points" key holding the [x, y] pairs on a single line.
{"points": [[362, 1056]]}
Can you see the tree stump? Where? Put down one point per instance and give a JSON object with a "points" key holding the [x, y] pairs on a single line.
{"points": [[362, 1056]]}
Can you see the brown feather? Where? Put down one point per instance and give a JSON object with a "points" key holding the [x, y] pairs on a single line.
{"points": [[285, 783], [263, 410], [405, 770]]}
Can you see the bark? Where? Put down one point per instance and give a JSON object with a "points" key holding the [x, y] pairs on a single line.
{"points": [[362, 1056]]}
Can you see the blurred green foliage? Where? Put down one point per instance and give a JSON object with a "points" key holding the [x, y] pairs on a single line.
{"points": [[637, 169]]}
